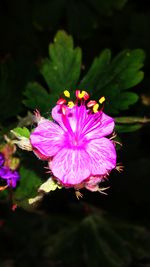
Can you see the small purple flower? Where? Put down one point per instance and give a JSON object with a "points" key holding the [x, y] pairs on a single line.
{"points": [[75, 144], [1, 159], [11, 176]]}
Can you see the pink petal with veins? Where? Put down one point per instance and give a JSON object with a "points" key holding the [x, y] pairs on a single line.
{"points": [[102, 154], [71, 166], [47, 138]]}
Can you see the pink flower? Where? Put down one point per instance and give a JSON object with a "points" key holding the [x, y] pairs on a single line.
{"points": [[75, 143]]}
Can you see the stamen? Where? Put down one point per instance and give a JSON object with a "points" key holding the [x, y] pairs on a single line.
{"points": [[65, 120], [86, 95], [95, 108], [61, 101], [71, 104], [63, 110], [82, 94], [91, 103], [67, 93], [102, 100], [77, 93]]}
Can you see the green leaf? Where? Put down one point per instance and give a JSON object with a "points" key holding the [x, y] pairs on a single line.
{"points": [[62, 70], [114, 243], [128, 128], [98, 66], [21, 132], [111, 78], [130, 124], [125, 100], [131, 120], [37, 97], [29, 183]]}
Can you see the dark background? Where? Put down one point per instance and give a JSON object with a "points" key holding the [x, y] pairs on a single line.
{"points": [[26, 28]]}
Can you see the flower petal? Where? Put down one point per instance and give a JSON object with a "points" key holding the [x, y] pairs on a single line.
{"points": [[78, 119], [47, 138], [57, 115], [74, 118], [98, 125], [102, 154], [71, 166]]}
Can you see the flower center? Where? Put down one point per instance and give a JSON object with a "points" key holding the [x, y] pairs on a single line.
{"points": [[74, 141], [72, 118]]}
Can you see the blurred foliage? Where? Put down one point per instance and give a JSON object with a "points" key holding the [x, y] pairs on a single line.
{"points": [[13, 76], [73, 239], [106, 235], [48, 15], [27, 188]]}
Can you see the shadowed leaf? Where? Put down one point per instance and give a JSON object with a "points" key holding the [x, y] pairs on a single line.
{"points": [[112, 78]]}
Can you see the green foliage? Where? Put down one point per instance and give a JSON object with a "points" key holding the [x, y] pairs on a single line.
{"points": [[93, 240], [112, 78], [128, 128], [129, 124], [37, 97], [61, 71], [114, 243], [24, 132], [27, 186]]}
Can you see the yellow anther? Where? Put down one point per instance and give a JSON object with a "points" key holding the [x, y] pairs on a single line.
{"points": [[95, 108], [102, 100], [67, 93], [81, 95], [70, 104]]}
